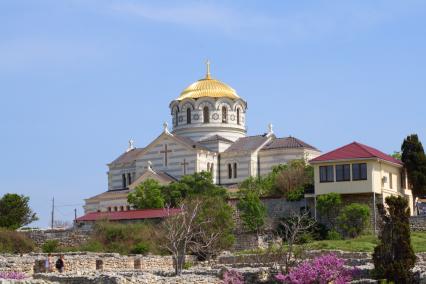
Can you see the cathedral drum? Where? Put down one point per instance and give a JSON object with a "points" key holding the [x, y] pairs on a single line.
{"points": [[209, 107]]}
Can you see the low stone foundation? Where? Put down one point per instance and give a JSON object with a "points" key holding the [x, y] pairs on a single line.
{"points": [[66, 238], [84, 262], [418, 223]]}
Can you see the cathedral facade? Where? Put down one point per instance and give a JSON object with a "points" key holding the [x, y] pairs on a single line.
{"points": [[208, 133]]}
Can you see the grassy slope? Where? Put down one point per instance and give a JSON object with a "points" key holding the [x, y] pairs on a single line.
{"points": [[367, 243]]}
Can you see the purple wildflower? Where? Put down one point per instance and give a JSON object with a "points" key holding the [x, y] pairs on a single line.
{"points": [[233, 277], [321, 270], [12, 275]]}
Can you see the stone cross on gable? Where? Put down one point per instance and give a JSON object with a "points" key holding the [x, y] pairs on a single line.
{"points": [[165, 152], [184, 164]]}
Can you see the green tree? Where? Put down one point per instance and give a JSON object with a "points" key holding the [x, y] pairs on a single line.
{"points": [[394, 257], [147, 195], [353, 219], [214, 208], [252, 210], [414, 159], [197, 184], [220, 224], [264, 185], [15, 211], [293, 178], [397, 155], [328, 205]]}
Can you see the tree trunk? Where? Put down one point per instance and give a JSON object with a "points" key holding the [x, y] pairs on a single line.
{"points": [[180, 261]]}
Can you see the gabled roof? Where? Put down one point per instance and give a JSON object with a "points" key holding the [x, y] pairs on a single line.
{"points": [[189, 142], [249, 143], [131, 156], [127, 157], [110, 194], [129, 215], [355, 150], [161, 177], [215, 138], [288, 142]]}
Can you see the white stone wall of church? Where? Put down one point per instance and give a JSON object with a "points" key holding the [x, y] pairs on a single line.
{"points": [[206, 159], [197, 129], [217, 146], [271, 158], [205, 131], [115, 180], [244, 165], [176, 157]]}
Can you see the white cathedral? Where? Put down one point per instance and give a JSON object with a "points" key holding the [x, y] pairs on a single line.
{"points": [[209, 134]]}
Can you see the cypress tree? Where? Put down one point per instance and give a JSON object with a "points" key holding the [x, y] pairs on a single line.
{"points": [[394, 257], [414, 159]]}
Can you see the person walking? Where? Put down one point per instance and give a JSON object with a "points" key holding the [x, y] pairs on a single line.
{"points": [[48, 263], [60, 264]]}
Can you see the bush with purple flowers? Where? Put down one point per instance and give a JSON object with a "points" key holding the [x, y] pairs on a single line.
{"points": [[321, 270], [232, 277], [12, 275]]}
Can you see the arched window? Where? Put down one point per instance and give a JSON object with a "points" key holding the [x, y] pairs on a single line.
{"points": [[109, 209], [128, 207], [229, 171], [235, 170], [224, 115], [115, 208], [206, 114], [121, 208], [212, 168], [208, 167], [123, 179], [238, 116], [188, 116], [176, 118], [129, 179]]}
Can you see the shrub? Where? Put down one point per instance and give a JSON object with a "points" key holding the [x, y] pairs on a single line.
{"points": [[353, 219], [92, 246], [334, 235], [140, 248], [315, 232], [12, 275], [15, 242], [124, 238], [394, 257], [252, 211], [328, 205], [232, 277], [50, 246], [323, 269], [188, 265]]}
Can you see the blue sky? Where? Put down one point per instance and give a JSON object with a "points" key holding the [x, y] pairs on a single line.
{"points": [[79, 78]]}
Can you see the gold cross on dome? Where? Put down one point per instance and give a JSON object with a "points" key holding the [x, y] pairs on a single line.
{"points": [[208, 69]]}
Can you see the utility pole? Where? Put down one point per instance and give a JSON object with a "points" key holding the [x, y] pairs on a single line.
{"points": [[53, 211], [75, 215]]}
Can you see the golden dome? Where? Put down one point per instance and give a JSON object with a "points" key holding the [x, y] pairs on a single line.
{"points": [[208, 87]]}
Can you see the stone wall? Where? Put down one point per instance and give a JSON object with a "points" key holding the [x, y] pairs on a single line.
{"points": [[84, 262], [418, 223], [66, 238], [276, 208]]}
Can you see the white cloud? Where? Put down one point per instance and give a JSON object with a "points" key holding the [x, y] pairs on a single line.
{"points": [[300, 22]]}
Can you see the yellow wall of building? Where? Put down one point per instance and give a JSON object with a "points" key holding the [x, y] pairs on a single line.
{"points": [[376, 170]]}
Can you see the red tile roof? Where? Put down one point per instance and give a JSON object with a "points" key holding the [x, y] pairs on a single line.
{"points": [[129, 215], [355, 150]]}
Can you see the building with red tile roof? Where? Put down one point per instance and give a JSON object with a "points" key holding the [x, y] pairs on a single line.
{"points": [[360, 173]]}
